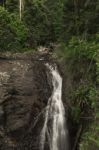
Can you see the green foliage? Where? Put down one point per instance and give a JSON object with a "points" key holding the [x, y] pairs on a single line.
{"points": [[81, 65], [55, 20], [82, 18], [90, 139], [44, 20], [13, 33], [84, 101], [97, 64], [12, 6], [78, 48]]}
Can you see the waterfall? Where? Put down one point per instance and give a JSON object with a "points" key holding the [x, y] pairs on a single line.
{"points": [[54, 131], [21, 6]]}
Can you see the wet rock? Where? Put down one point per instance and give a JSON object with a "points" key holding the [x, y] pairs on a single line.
{"points": [[24, 92], [1, 115]]}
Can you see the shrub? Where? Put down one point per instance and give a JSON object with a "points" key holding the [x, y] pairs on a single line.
{"points": [[13, 33]]}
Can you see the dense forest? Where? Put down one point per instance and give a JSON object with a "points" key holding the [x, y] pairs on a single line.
{"points": [[46, 21], [73, 27]]}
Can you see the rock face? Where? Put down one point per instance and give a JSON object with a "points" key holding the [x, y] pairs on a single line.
{"points": [[24, 92]]}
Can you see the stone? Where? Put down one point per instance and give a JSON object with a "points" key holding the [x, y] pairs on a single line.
{"points": [[24, 92]]}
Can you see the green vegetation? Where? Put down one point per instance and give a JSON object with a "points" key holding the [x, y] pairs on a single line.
{"points": [[52, 21], [73, 25], [41, 18], [13, 33], [81, 65]]}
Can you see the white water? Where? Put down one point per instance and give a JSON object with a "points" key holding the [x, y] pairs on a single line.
{"points": [[54, 130], [21, 6]]}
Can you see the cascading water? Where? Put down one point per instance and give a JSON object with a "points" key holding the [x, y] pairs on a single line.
{"points": [[21, 6], [54, 129]]}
